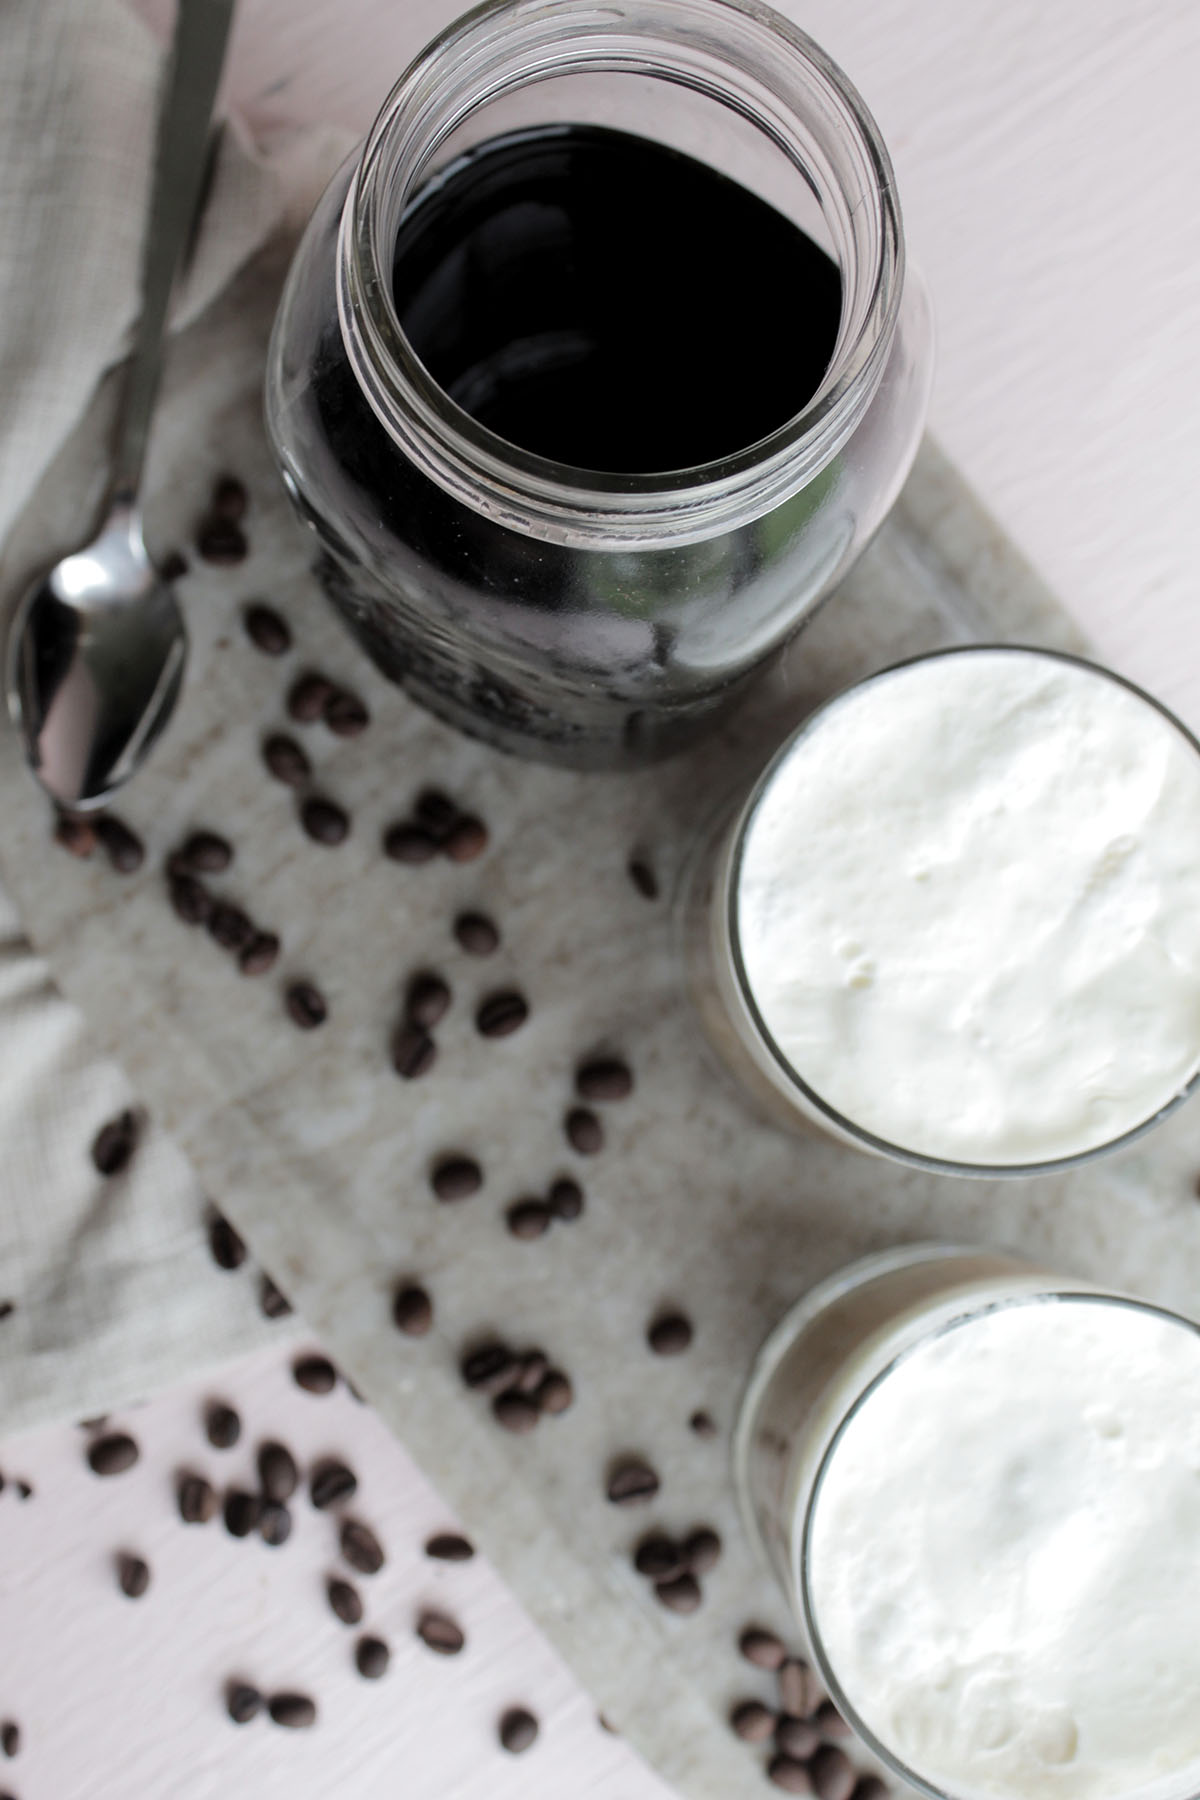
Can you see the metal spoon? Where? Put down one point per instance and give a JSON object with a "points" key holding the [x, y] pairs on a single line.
{"points": [[97, 644]]}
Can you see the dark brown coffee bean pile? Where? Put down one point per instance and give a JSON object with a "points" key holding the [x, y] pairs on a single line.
{"points": [[531, 1217], [642, 875], [371, 1658], [75, 834], [305, 1005], [272, 1302], [674, 1568], [295, 1711], [669, 1334], [522, 1386], [518, 1729], [631, 1481], [361, 1548], [206, 853], [124, 847], [801, 1725], [220, 539], [426, 1003], [440, 1634], [222, 1426], [227, 1248], [331, 1483], [267, 630], [456, 1178], [448, 1546], [285, 760], [344, 1601], [412, 1310], [315, 1374], [501, 1014], [114, 1144], [133, 1575], [476, 934], [242, 1702], [197, 1500], [112, 1454], [436, 827]]}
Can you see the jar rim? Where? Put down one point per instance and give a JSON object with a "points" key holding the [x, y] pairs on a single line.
{"points": [[776, 77]]}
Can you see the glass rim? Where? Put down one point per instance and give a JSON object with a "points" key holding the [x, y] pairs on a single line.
{"points": [[1058, 1296], [841, 1123]]}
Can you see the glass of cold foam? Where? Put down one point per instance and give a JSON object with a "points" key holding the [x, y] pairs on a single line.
{"points": [[957, 922], [979, 1485]]}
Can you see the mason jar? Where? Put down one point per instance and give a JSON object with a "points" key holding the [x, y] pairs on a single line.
{"points": [[598, 617]]}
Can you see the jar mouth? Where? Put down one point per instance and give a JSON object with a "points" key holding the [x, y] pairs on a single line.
{"points": [[736, 52]]}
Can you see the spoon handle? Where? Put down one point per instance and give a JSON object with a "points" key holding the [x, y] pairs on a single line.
{"points": [[197, 53]]}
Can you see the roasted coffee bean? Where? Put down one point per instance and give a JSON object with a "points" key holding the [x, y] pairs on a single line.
{"points": [[308, 698], [278, 1475], [220, 541], [528, 1219], [565, 1198], [631, 1482], [492, 1369], [501, 1014], [439, 1633], [681, 1595], [361, 1548], [413, 1052], [371, 1658], [752, 1721], [75, 835], [643, 877], [173, 566], [833, 1774], [476, 934], [197, 1500], [516, 1412], [114, 1144], [535, 1366], [659, 1559], [799, 1691], [10, 1737], [305, 1005], [412, 1311], [466, 839], [260, 954], [222, 1426], [448, 1546], [272, 1302], [405, 843], [230, 927], [7, 1309], [274, 1523], [830, 1722], [584, 1131], [229, 499], [345, 1601], [456, 1178], [605, 1078], [428, 1000], [266, 629], [870, 1787], [113, 1454], [702, 1548], [345, 714], [790, 1775], [518, 1730], [762, 1648], [703, 1424], [331, 1483], [126, 852], [295, 1711], [241, 1512], [325, 821], [24, 1491], [133, 1575], [555, 1394], [242, 1702], [796, 1737], [315, 1374], [228, 1250], [437, 812], [190, 898], [669, 1334], [204, 853], [286, 761]]}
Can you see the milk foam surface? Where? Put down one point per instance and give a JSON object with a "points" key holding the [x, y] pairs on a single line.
{"points": [[969, 908], [1005, 1569]]}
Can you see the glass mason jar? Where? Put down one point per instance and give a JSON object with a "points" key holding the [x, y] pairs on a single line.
{"points": [[591, 618]]}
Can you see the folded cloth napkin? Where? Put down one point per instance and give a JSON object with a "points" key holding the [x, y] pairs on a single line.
{"points": [[106, 1284]]}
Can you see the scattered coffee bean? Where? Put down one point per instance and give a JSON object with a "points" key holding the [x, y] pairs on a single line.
{"points": [[752, 1721], [286, 761], [555, 1394], [241, 1512], [173, 566], [466, 839], [114, 1144], [7, 1309], [406, 843], [518, 1730], [870, 1787], [830, 1722], [643, 877], [448, 1546], [440, 1634], [197, 1500], [413, 1052], [242, 1702], [10, 1737], [126, 852], [491, 1369], [222, 1426], [456, 1178], [331, 1483], [133, 1575], [528, 1219], [272, 1302], [762, 1648], [260, 954], [230, 927], [345, 714], [361, 1548], [229, 499], [703, 1424], [796, 1737], [324, 821], [670, 1334], [799, 1691], [274, 1523], [75, 835], [428, 1000], [702, 1549], [305, 1005], [315, 1374], [228, 1250], [204, 853], [516, 1412], [345, 1601], [220, 541], [371, 1658], [535, 1366], [113, 1454], [412, 1311], [501, 1015], [437, 812], [24, 1491], [606, 1078], [476, 934], [278, 1475], [790, 1775], [296, 1711], [584, 1131], [266, 629], [681, 1595], [632, 1482], [833, 1774], [566, 1199], [190, 898], [659, 1559], [308, 698]]}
